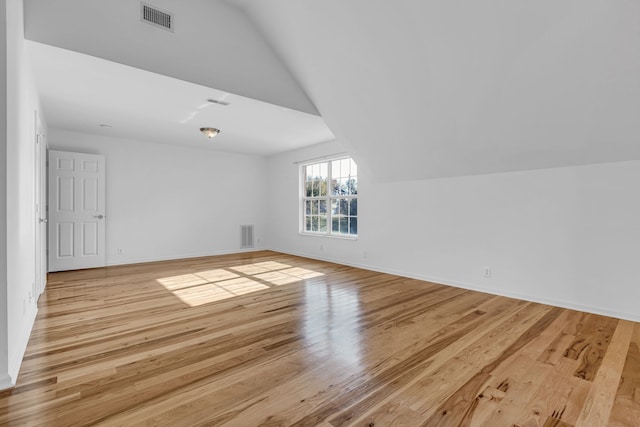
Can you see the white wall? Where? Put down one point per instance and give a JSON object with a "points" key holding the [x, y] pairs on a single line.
{"points": [[5, 380], [567, 236], [168, 202], [22, 104]]}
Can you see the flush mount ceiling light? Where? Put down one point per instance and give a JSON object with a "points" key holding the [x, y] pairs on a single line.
{"points": [[209, 132]]}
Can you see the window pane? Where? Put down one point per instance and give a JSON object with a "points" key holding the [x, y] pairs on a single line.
{"points": [[324, 169], [353, 225], [322, 208], [352, 185], [342, 207], [344, 224], [314, 223], [345, 167], [335, 169], [307, 224], [307, 188], [335, 187], [322, 186], [322, 224], [307, 209], [335, 224], [314, 207], [353, 207], [307, 173]]}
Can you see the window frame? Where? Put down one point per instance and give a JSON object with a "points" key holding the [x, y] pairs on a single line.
{"points": [[328, 198]]}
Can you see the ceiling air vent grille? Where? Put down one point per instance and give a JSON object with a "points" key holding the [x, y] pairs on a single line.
{"points": [[156, 17]]}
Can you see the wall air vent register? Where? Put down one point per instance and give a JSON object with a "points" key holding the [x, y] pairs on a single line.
{"points": [[156, 17], [246, 236]]}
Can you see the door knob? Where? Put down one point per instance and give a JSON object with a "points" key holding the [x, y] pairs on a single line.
{"points": [[43, 220], [99, 216]]}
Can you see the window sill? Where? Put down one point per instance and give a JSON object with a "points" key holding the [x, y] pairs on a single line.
{"points": [[329, 236]]}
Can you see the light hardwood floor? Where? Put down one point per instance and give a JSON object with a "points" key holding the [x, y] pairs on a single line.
{"points": [[266, 339]]}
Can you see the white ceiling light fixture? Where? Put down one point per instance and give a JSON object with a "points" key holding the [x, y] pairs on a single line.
{"points": [[209, 132]]}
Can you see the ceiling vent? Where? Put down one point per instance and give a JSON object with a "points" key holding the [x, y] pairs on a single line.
{"points": [[156, 17], [217, 101]]}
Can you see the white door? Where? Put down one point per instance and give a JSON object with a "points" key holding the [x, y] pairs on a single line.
{"points": [[76, 211]]}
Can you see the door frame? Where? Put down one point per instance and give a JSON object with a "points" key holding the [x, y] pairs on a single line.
{"points": [[40, 193]]}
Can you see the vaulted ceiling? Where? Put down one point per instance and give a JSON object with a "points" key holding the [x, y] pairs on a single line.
{"points": [[414, 88], [95, 62]]}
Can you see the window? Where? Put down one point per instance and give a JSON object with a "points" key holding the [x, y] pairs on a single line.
{"points": [[330, 198]]}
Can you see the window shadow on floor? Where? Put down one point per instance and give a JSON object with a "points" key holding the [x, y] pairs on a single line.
{"points": [[204, 287]]}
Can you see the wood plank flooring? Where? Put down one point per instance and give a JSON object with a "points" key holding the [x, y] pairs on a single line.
{"points": [[267, 339]]}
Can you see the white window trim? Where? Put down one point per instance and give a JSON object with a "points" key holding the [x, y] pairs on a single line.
{"points": [[301, 207]]}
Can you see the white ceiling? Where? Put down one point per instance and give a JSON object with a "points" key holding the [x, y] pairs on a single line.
{"points": [[413, 88], [80, 92], [96, 63]]}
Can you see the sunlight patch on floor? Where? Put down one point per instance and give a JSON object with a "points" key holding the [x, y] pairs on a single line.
{"points": [[249, 269], [277, 278], [242, 286], [302, 273], [182, 281], [217, 275], [204, 294], [212, 292], [219, 284]]}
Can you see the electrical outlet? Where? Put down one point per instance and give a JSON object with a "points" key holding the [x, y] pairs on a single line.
{"points": [[487, 272]]}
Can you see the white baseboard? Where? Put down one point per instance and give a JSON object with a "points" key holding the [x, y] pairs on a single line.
{"points": [[14, 367], [473, 287], [5, 381], [180, 256]]}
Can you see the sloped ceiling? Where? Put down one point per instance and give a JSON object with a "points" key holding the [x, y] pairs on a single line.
{"points": [[415, 88], [213, 45], [423, 89]]}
